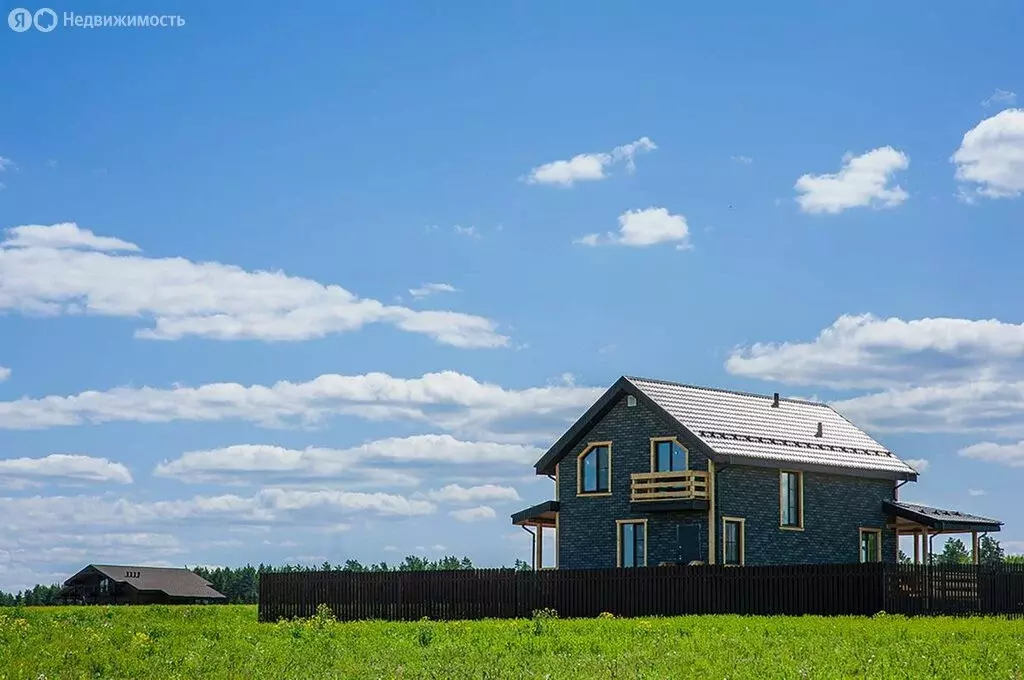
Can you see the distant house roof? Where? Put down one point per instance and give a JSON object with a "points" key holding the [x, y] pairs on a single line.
{"points": [[945, 521], [174, 582], [747, 428]]}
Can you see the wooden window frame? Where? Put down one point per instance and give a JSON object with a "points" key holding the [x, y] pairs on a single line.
{"points": [[860, 544], [674, 440], [800, 501], [579, 470], [742, 521], [618, 540]]}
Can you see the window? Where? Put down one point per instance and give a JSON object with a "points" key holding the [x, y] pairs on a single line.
{"points": [[791, 500], [870, 545], [667, 455], [732, 541], [632, 542], [594, 469]]}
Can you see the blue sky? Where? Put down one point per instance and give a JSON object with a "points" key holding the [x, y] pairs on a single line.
{"points": [[824, 201]]}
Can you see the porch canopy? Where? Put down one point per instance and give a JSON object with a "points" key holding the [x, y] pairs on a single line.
{"points": [[923, 521], [541, 515]]}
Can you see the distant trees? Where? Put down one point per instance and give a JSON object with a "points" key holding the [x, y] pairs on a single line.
{"points": [[241, 585], [37, 596], [990, 552]]}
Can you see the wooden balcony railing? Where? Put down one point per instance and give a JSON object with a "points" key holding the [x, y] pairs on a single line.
{"points": [[669, 486]]}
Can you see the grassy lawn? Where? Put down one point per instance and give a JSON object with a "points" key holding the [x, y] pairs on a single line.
{"points": [[227, 642]]}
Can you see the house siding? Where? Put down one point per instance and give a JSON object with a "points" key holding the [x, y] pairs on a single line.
{"points": [[836, 507], [587, 525]]}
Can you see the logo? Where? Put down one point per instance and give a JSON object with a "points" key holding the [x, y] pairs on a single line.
{"points": [[21, 19], [45, 20]]}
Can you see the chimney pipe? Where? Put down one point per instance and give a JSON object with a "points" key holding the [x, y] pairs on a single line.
{"points": [[775, 400], [818, 433]]}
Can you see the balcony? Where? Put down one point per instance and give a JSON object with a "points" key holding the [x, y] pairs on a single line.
{"points": [[682, 490]]}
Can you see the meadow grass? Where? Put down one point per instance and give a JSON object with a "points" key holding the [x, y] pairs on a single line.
{"points": [[227, 642]]}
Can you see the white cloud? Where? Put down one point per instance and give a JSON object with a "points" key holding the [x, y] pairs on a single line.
{"points": [[866, 351], [65, 235], [990, 160], [473, 514], [983, 406], [919, 464], [428, 289], [743, 160], [453, 493], [65, 467], [862, 181], [390, 548], [242, 460], [589, 166], [999, 98], [642, 228], [5, 373], [1004, 454], [272, 505], [469, 232], [452, 401], [935, 375], [45, 270], [6, 164], [976, 492]]}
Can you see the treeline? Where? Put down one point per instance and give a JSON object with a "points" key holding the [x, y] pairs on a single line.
{"points": [[241, 585], [39, 595], [955, 551]]}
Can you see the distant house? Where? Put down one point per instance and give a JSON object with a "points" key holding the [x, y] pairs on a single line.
{"points": [[662, 473], [112, 584]]}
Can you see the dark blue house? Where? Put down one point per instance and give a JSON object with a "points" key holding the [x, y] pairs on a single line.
{"points": [[662, 473]]}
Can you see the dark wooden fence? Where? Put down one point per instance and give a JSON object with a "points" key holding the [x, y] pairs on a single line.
{"points": [[840, 589]]}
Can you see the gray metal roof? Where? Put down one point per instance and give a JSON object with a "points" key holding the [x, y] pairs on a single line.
{"points": [[938, 518], [174, 582], [747, 426]]}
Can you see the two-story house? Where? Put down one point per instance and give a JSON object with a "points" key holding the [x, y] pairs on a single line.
{"points": [[662, 473]]}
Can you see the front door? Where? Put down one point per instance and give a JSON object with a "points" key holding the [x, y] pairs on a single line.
{"points": [[688, 543]]}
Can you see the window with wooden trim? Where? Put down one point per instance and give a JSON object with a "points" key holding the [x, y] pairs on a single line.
{"points": [[632, 542], [733, 539], [668, 455], [870, 545], [791, 500], [594, 469]]}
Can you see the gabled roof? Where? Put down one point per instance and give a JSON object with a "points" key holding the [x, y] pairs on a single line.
{"points": [[174, 582], [948, 521], [747, 428]]}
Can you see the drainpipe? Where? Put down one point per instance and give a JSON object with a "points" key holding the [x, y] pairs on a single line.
{"points": [[533, 546]]}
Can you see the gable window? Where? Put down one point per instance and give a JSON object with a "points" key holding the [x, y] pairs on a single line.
{"points": [[594, 469], [791, 500], [733, 529], [632, 542], [870, 545], [667, 455]]}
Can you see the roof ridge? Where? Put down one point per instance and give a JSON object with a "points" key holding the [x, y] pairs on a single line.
{"points": [[741, 393]]}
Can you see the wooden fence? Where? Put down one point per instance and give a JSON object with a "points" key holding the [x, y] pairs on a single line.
{"points": [[853, 589]]}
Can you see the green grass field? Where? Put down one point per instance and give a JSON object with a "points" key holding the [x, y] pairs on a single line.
{"points": [[227, 642]]}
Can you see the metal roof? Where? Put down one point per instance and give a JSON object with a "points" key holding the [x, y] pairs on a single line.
{"points": [[174, 582], [942, 520], [747, 426]]}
